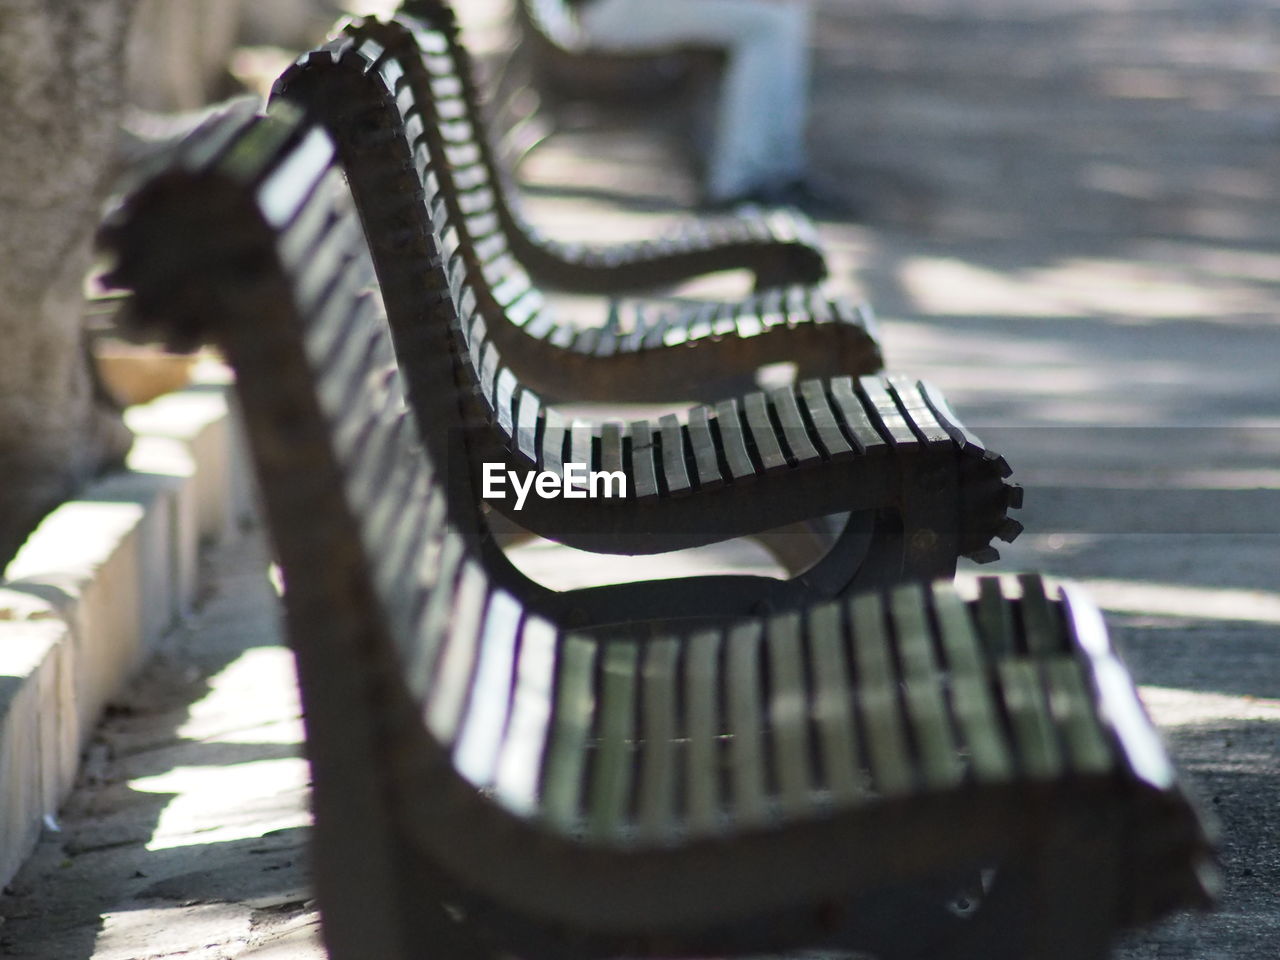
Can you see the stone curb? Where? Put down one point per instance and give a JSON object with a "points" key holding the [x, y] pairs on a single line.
{"points": [[100, 580]]}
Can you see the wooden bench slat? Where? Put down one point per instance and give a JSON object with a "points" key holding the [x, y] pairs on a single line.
{"points": [[644, 469], [475, 754], [704, 448], [282, 194], [572, 722], [832, 440], [527, 420], [675, 470], [877, 698], [457, 659], [922, 678], [660, 758], [893, 425], [420, 660], [504, 401], [1072, 706], [918, 412], [789, 713], [995, 619], [1041, 628], [554, 435], [516, 779], [975, 707], [793, 427], [613, 771], [857, 420], [833, 706], [702, 766], [612, 433], [581, 435], [1038, 749], [763, 433], [748, 802], [300, 238], [730, 431], [769, 306]]}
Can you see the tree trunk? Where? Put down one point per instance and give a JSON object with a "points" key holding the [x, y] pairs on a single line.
{"points": [[61, 83]]}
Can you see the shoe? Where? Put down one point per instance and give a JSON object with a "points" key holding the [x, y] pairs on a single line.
{"points": [[819, 200]]}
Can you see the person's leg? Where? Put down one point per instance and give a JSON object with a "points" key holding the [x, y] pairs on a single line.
{"points": [[759, 136], [765, 103]]}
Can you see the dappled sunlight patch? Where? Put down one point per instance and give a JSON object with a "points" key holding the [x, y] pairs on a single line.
{"points": [[1214, 260], [171, 929], [1163, 600], [1183, 708], [564, 568], [263, 683], [247, 719], [266, 794], [1118, 289], [1186, 602], [78, 528], [946, 286]]}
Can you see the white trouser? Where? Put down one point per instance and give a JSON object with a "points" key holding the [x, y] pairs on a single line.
{"points": [[760, 124]]}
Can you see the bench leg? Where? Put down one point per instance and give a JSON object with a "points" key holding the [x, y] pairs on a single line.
{"points": [[1059, 903]]}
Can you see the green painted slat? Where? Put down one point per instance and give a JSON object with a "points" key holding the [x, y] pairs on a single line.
{"points": [[702, 728], [659, 771], [612, 774], [420, 662], [744, 692], [704, 448], [1033, 729], [572, 720], [674, 469], [856, 416], [1041, 625], [930, 721], [475, 754], [985, 740], [1074, 710], [876, 689], [824, 420], [789, 712], [516, 780], [452, 682], [832, 704], [995, 619], [732, 440], [892, 423], [794, 430], [763, 432]]}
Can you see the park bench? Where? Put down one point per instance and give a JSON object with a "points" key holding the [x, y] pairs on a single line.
{"points": [[554, 78], [799, 323], [905, 772], [923, 491]]}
